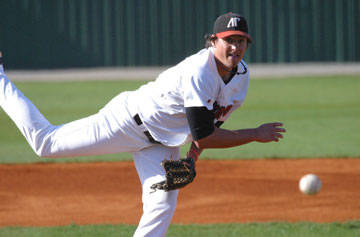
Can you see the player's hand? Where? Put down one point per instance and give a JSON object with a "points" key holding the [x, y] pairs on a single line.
{"points": [[270, 132]]}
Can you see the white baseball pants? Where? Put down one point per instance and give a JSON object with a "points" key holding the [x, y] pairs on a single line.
{"points": [[111, 130]]}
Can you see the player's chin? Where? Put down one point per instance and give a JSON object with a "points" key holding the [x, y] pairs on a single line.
{"points": [[232, 64], [234, 60]]}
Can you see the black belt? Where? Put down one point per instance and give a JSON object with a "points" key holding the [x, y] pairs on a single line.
{"points": [[147, 134]]}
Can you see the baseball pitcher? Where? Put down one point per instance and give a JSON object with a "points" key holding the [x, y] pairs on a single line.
{"points": [[186, 104]]}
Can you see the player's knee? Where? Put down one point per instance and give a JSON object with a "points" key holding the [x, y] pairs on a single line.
{"points": [[48, 154], [160, 200], [169, 207], [45, 152], [166, 204], [42, 143], [41, 153]]}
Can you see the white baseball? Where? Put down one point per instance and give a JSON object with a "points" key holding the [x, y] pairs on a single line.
{"points": [[310, 184]]}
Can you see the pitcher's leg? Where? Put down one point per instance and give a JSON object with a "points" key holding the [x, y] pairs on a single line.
{"points": [[159, 206], [25, 115], [110, 131]]}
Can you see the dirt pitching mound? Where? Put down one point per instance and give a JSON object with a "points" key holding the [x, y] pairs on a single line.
{"points": [[223, 191]]}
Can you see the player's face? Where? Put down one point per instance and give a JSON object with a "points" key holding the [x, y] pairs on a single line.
{"points": [[230, 50]]}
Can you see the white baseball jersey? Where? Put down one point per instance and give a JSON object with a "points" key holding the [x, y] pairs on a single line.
{"points": [[194, 82]]}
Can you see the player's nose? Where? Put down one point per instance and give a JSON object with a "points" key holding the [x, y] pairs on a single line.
{"points": [[240, 46], [237, 47]]}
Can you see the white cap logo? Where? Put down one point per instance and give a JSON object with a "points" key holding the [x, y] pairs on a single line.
{"points": [[233, 22]]}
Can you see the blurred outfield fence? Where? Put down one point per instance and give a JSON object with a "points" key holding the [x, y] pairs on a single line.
{"points": [[90, 33]]}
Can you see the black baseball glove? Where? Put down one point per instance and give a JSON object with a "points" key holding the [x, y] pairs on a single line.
{"points": [[179, 173]]}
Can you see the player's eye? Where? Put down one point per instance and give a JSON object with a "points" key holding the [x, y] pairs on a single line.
{"points": [[230, 40], [233, 41]]}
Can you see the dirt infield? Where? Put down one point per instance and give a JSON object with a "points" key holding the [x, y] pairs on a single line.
{"points": [[224, 191]]}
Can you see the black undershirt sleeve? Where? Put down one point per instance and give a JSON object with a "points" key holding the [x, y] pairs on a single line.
{"points": [[201, 121]]}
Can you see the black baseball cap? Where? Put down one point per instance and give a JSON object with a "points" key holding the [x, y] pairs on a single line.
{"points": [[231, 24]]}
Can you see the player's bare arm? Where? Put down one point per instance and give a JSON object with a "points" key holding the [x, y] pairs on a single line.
{"points": [[224, 138]]}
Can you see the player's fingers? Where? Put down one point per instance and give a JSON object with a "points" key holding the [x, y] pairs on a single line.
{"points": [[278, 135], [277, 124], [280, 130]]}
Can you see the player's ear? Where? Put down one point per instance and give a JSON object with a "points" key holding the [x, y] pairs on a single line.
{"points": [[213, 40], [209, 40]]}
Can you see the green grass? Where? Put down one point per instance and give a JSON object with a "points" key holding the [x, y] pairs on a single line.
{"points": [[71, 230], [348, 229], [321, 115]]}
